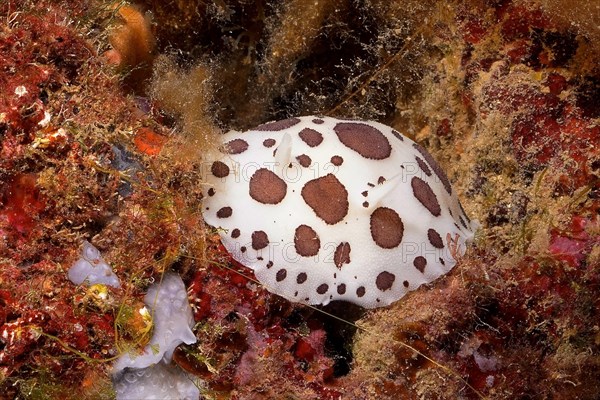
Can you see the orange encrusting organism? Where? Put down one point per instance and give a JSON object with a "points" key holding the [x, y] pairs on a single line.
{"points": [[133, 43]]}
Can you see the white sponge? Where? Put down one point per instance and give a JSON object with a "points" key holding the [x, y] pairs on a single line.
{"points": [[149, 374], [159, 381], [92, 269]]}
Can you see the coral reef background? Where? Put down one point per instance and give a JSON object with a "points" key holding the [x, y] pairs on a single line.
{"points": [[106, 110]]}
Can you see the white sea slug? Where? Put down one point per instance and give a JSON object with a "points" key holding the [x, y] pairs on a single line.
{"points": [[325, 209]]}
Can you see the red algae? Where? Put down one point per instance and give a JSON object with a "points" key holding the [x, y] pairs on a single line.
{"points": [[249, 333], [62, 115], [573, 245], [22, 201], [530, 286], [502, 93]]}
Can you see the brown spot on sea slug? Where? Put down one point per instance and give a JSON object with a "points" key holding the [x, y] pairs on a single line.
{"points": [[306, 241], [387, 228], [327, 197], [366, 140], [266, 187]]}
